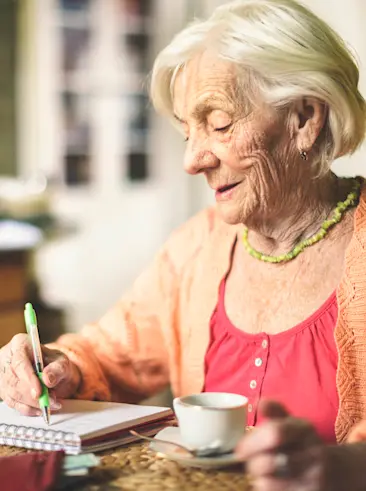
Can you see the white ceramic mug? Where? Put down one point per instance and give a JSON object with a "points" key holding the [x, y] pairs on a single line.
{"points": [[211, 418]]}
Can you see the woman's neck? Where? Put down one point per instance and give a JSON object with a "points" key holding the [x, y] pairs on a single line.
{"points": [[299, 216]]}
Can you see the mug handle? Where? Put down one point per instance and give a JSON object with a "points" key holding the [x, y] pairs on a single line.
{"points": [[177, 406]]}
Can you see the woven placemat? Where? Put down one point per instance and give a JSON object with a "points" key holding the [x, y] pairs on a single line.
{"points": [[137, 468]]}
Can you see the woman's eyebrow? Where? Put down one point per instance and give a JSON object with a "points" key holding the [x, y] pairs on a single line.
{"points": [[203, 108], [208, 105]]}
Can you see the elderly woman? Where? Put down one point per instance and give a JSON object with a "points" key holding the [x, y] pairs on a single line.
{"points": [[265, 294]]}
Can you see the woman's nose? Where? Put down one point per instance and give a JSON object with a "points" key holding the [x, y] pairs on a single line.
{"points": [[198, 161]]}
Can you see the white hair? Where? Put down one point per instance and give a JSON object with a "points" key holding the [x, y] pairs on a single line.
{"points": [[287, 52]]}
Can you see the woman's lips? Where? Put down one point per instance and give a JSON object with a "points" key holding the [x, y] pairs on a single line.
{"points": [[225, 192]]}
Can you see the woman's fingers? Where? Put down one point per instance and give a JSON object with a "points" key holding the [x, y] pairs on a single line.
{"points": [[57, 370], [24, 409], [20, 387], [262, 465], [22, 366], [268, 435], [358, 433], [275, 463], [290, 437], [265, 438], [17, 379], [297, 434], [283, 453], [273, 410]]}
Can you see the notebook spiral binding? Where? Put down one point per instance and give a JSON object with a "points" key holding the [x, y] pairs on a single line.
{"points": [[39, 439]]}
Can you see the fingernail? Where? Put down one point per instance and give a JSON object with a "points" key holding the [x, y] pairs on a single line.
{"points": [[34, 394], [51, 378], [54, 403]]}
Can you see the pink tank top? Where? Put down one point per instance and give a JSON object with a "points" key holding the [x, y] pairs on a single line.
{"points": [[296, 367]]}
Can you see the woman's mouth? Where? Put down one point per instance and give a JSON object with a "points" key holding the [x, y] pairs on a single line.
{"points": [[225, 192]]}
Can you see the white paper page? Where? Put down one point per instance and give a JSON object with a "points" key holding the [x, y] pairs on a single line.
{"points": [[86, 418]]}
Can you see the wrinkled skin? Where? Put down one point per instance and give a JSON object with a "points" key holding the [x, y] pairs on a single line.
{"points": [[19, 385], [233, 140]]}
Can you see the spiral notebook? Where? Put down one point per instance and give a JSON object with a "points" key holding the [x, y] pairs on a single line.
{"points": [[82, 426]]}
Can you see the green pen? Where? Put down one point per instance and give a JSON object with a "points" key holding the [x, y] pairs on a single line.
{"points": [[32, 330]]}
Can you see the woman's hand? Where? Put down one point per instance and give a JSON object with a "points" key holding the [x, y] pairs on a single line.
{"points": [[284, 453], [358, 433], [19, 385]]}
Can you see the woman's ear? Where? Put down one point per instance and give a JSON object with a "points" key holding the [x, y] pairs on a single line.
{"points": [[308, 121]]}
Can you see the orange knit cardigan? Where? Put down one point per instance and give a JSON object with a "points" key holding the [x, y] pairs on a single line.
{"points": [[158, 333]]}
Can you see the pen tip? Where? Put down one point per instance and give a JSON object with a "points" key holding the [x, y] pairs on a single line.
{"points": [[46, 415]]}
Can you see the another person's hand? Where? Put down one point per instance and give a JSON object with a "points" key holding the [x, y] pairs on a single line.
{"points": [[19, 385], [284, 453]]}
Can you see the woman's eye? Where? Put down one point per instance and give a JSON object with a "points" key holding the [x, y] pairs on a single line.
{"points": [[186, 138], [223, 128]]}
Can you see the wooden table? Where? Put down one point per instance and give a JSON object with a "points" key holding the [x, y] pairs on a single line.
{"points": [[135, 467]]}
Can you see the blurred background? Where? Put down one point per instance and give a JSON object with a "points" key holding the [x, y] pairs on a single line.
{"points": [[91, 180]]}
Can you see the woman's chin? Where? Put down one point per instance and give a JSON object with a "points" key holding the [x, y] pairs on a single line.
{"points": [[229, 213]]}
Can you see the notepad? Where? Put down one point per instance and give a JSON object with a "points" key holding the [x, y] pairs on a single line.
{"points": [[81, 426]]}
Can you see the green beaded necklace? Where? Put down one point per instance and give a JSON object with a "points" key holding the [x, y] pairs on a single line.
{"points": [[338, 213]]}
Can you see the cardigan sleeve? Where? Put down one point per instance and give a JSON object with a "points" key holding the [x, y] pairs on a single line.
{"points": [[125, 356]]}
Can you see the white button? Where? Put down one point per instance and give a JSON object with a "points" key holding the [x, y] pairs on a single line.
{"points": [[253, 384], [250, 408], [258, 362], [264, 343]]}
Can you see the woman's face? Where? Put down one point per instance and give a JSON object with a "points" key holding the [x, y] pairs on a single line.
{"points": [[243, 152]]}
